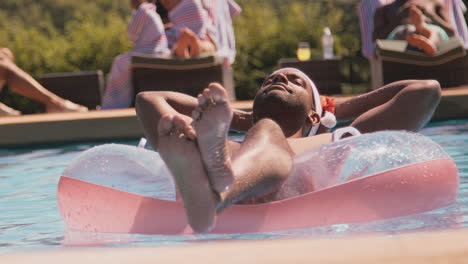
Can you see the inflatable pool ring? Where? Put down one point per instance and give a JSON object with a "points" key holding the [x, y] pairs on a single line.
{"points": [[124, 189]]}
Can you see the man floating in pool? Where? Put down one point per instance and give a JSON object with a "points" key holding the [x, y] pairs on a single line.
{"points": [[212, 172]]}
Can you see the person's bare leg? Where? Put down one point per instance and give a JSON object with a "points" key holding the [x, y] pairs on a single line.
{"points": [[23, 84], [260, 167], [422, 43], [181, 48], [410, 109], [178, 149], [425, 38], [8, 111], [260, 164], [212, 119], [4, 109]]}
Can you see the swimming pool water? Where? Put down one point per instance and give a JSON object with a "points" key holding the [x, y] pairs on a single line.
{"points": [[29, 218]]}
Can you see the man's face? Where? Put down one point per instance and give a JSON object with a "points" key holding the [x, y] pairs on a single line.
{"points": [[286, 97]]}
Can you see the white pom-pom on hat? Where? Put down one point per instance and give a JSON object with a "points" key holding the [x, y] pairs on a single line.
{"points": [[328, 120]]}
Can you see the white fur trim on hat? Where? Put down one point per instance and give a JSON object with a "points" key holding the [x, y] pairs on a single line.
{"points": [[328, 120]]}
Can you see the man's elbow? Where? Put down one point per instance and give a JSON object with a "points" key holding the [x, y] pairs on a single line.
{"points": [[434, 91], [142, 99], [146, 101], [429, 91]]}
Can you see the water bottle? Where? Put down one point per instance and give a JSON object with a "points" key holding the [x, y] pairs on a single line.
{"points": [[327, 43]]}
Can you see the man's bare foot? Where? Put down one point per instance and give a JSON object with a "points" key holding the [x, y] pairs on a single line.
{"points": [[418, 19], [178, 149], [7, 111], [65, 106], [212, 119], [422, 43]]}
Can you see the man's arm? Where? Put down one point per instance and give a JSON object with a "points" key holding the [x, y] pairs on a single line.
{"points": [[403, 105], [151, 106]]}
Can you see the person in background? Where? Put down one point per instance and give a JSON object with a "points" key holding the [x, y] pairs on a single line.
{"points": [[423, 23], [22, 83], [146, 31], [188, 22], [222, 12], [188, 34], [288, 117]]}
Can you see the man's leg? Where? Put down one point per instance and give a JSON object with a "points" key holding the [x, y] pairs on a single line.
{"points": [[258, 167], [426, 38], [178, 148]]}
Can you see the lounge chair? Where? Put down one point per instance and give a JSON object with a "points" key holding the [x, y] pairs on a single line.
{"points": [[189, 76], [390, 62], [84, 88]]}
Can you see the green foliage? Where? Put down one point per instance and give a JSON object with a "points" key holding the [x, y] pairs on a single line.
{"points": [[62, 35], [268, 30]]}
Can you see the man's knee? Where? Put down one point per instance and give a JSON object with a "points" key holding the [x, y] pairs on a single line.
{"points": [[429, 90], [142, 99]]}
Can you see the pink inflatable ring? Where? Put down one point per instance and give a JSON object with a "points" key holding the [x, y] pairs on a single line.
{"points": [[124, 189]]}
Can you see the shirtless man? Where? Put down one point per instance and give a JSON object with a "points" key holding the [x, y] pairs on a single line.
{"points": [[212, 172], [423, 23], [23, 84]]}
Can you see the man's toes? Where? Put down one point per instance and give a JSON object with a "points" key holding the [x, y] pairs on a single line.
{"points": [[166, 125], [218, 93], [196, 114], [203, 101], [180, 124]]}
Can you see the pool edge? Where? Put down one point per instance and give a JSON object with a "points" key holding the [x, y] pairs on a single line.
{"points": [[424, 247]]}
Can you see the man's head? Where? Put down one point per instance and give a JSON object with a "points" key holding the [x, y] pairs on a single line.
{"points": [[287, 97]]}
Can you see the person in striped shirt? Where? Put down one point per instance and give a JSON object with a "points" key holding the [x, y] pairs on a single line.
{"points": [[146, 31], [216, 35], [186, 37]]}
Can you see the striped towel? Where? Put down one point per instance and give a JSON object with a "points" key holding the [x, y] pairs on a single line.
{"points": [[146, 31], [221, 13], [366, 10], [457, 9]]}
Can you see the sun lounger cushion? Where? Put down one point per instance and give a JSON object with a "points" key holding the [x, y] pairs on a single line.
{"points": [[400, 51], [83, 88], [175, 63], [189, 76]]}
